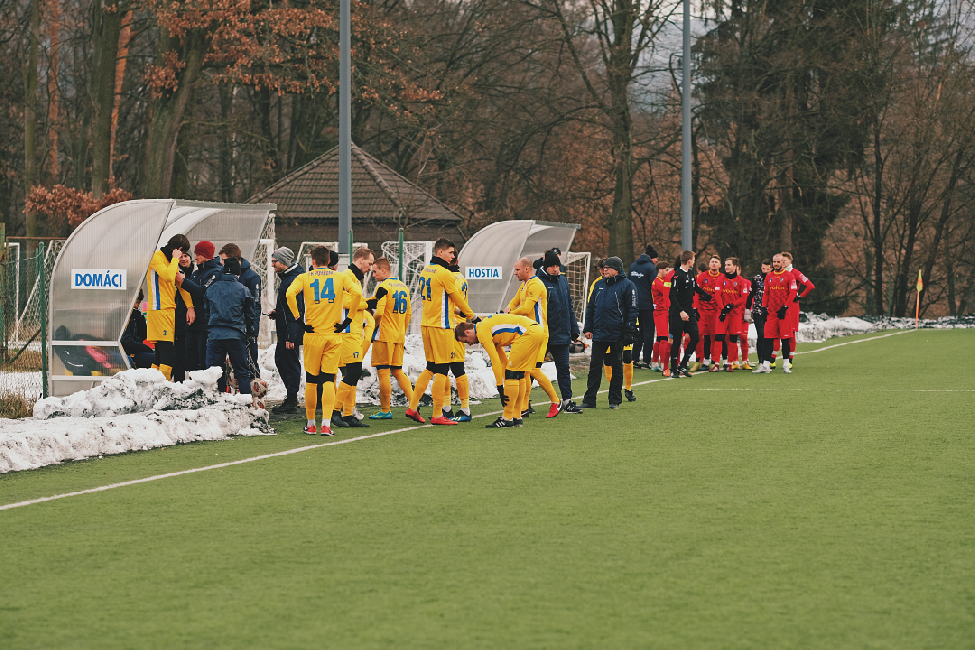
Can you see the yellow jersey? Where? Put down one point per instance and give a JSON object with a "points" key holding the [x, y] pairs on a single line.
{"points": [[162, 283], [461, 283], [352, 303], [497, 331], [324, 294], [532, 301], [394, 311], [437, 290]]}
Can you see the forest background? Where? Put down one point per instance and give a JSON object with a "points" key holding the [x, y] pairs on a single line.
{"points": [[840, 130]]}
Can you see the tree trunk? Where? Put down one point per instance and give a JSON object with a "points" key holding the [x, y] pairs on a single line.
{"points": [[227, 143], [53, 33], [106, 23], [618, 77], [878, 233], [168, 112], [30, 114]]}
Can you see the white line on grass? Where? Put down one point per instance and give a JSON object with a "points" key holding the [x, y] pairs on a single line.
{"points": [[348, 440]]}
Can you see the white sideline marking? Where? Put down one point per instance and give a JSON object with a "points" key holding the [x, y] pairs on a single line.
{"points": [[246, 460], [373, 435]]}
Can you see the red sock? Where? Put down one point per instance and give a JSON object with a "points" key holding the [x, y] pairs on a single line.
{"points": [[733, 353], [716, 351], [744, 347], [665, 353], [655, 353]]}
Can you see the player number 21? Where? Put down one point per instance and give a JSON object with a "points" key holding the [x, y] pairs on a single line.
{"points": [[326, 291], [425, 288]]}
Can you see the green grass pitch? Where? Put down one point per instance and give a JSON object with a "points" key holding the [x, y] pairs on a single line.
{"points": [[833, 508]]}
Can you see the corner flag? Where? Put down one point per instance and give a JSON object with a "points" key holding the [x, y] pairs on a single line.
{"points": [[920, 282]]}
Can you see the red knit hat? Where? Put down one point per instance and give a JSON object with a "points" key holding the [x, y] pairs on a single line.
{"points": [[205, 248]]}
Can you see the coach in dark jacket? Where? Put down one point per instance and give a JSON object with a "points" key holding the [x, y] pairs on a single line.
{"points": [[252, 280], [290, 331], [611, 314], [229, 302], [208, 270], [642, 274], [563, 328]]}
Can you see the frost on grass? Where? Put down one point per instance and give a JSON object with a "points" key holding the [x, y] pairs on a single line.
{"points": [[134, 410]]}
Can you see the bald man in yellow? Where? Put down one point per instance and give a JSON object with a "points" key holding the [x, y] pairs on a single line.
{"points": [[532, 301], [438, 293], [526, 338], [325, 319]]}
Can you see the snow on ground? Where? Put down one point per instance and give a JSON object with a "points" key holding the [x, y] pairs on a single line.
{"points": [[135, 409]]}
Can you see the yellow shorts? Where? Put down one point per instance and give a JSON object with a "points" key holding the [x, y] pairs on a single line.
{"points": [[161, 325], [387, 354], [460, 352], [524, 351], [438, 345], [541, 352], [351, 349], [322, 353]]}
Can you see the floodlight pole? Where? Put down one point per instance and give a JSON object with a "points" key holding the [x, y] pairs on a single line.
{"points": [[685, 213], [345, 129]]}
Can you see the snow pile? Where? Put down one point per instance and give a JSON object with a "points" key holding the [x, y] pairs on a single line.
{"points": [[819, 327], [479, 374], [135, 409]]}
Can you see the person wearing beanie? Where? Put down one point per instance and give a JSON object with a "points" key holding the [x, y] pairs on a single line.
{"points": [[289, 330], [228, 303], [250, 279], [642, 274], [611, 314], [563, 327], [208, 270], [164, 280]]}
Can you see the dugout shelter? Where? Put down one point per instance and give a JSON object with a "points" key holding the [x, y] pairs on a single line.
{"points": [[489, 256], [103, 264]]}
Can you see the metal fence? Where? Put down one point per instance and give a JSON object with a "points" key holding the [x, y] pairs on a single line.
{"points": [[24, 285]]}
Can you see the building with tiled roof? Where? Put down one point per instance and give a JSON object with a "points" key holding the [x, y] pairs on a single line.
{"points": [[382, 203]]}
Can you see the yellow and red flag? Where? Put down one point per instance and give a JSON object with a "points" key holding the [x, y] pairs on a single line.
{"points": [[920, 282]]}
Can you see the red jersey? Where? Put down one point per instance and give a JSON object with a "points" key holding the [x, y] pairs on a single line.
{"points": [[711, 284], [660, 290], [780, 290], [734, 292], [802, 279]]}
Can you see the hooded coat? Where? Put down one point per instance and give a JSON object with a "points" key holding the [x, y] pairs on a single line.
{"points": [[612, 307], [563, 328]]}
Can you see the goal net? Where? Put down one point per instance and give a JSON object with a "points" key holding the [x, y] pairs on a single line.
{"points": [[577, 275]]}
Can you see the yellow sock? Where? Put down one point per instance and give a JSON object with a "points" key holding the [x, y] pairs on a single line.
{"points": [[348, 400], [546, 385], [609, 372], [526, 394], [464, 392], [512, 390], [167, 371], [438, 388], [385, 390], [404, 383], [328, 400], [447, 396], [421, 385], [311, 399], [628, 375]]}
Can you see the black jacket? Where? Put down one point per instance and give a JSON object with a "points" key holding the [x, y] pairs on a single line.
{"points": [[563, 328], [134, 336], [204, 276], [683, 286], [229, 302], [289, 329], [612, 307], [191, 289], [642, 273], [250, 279]]}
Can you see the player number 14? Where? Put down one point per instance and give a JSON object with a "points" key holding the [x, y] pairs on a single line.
{"points": [[326, 290]]}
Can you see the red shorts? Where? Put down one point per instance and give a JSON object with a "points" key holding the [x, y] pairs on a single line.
{"points": [[661, 323], [778, 329], [706, 326], [731, 324], [793, 316]]}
